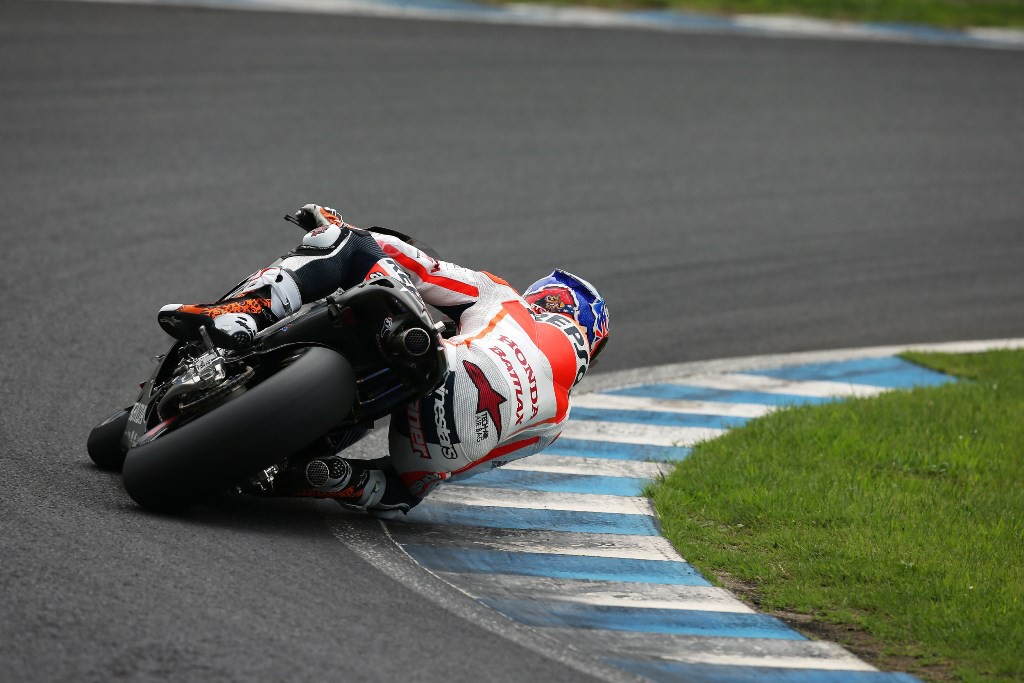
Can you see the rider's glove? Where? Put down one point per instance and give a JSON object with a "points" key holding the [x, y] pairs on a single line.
{"points": [[324, 216]]}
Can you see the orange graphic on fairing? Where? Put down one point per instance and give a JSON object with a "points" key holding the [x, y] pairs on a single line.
{"points": [[251, 306]]}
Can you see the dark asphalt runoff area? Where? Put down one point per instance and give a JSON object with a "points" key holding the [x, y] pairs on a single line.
{"points": [[729, 195]]}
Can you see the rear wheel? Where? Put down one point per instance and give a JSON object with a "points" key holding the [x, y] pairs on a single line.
{"points": [[253, 430]]}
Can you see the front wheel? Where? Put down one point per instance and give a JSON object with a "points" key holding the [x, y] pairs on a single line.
{"points": [[257, 428]]}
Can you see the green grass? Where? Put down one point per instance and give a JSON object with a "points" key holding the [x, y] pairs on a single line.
{"points": [[944, 13], [901, 516]]}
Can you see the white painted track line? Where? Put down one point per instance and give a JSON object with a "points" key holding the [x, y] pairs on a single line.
{"points": [[570, 464], [631, 432], [656, 548], [613, 402], [598, 593], [453, 494], [764, 652]]}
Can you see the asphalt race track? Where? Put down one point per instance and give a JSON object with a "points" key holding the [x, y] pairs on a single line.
{"points": [[729, 195]]}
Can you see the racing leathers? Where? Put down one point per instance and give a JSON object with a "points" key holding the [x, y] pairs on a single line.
{"points": [[511, 370]]}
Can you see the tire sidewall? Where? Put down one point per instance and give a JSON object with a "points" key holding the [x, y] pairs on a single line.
{"points": [[250, 432]]}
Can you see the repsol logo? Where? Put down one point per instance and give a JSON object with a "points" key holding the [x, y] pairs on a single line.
{"points": [[575, 335]]}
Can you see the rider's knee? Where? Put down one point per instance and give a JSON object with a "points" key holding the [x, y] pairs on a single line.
{"points": [[285, 297]]}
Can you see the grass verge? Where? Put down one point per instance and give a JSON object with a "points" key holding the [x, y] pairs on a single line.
{"points": [[894, 524], [943, 13]]}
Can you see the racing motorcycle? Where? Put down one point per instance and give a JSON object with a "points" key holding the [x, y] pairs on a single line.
{"points": [[210, 420]]}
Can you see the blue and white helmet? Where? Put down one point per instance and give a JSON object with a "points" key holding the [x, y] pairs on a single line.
{"points": [[562, 292]]}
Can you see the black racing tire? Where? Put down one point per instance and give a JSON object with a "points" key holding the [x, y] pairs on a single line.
{"points": [[104, 444], [253, 430]]}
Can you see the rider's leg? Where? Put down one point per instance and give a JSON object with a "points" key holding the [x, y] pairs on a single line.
{"points": [[412, 472], [266, 296], [341, 257]]}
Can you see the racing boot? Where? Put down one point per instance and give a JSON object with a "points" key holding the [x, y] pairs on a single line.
{"points": [[266, 297]]}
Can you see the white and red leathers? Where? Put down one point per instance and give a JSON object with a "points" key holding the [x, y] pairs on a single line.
{"points": [[511, 370]]}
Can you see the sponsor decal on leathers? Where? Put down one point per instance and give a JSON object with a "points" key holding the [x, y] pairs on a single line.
{"points": [[488, 402], [419, 444], [575, 334], [531, 379], [444, 435], [517, 384]]}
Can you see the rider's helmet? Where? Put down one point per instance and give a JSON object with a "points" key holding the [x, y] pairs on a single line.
{"points": [[562, 292]]}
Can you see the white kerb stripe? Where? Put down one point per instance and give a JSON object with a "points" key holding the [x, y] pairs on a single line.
{"points": [[972, 346], [761, 652], [594, 467], [771, 385], [787, 662], [632, 432], [621, 546], [453, 494], [597, 593], [665, 405], [810, 27]]}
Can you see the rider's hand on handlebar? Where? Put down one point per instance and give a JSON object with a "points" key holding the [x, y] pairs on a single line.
{"points": [[305, 219], [324, 216]]}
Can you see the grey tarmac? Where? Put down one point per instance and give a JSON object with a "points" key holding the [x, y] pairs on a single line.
{"points": [[731, 196]]}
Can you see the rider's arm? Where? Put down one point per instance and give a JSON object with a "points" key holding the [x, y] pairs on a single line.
{"points": [[446, 286], [335, 254]]}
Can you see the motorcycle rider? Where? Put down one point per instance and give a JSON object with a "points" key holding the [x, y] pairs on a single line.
{"points": [[512, 363]]}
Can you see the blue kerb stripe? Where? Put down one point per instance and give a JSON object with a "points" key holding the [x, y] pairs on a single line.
{"points": [[556, 566], [443, 6], [559, 483], [611, 450], [661, 670], [682, 392], [523, 518], [658, 418], [675, 621], [687, 19], [920, 32], [892, 372]]}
